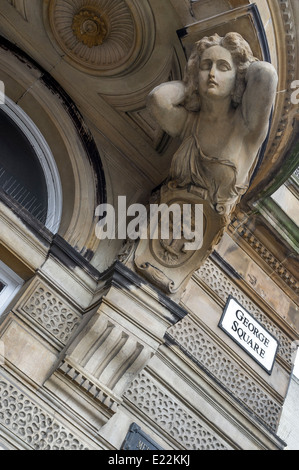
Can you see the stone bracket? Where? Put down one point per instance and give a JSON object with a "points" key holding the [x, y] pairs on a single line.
{"points": [[115, 345], [165, 262]]}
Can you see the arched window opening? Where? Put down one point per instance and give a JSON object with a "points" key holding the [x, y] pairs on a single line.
{"points": [[21, 175], [28, 172]]}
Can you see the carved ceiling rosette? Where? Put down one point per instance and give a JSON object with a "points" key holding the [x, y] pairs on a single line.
{"points": [[101, 37]]}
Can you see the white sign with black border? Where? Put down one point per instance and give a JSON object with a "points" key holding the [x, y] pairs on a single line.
{"points": [[249, 334]]}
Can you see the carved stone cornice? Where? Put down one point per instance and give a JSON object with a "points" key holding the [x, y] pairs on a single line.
{"points": [[284, 111], [241, 232]]}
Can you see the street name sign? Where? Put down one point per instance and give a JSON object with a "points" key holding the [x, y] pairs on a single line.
{"points": [[249, 334]]}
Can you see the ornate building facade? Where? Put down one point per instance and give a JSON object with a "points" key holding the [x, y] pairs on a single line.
{"points": [[97, 351]]}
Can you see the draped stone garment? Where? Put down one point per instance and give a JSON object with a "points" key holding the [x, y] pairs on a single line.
{"points": [[219, 177]]}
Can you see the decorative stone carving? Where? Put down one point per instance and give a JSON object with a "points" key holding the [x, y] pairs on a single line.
{"points": [[171, 416], [101, 36], [116, 343], [104, 362], [220, 111], [51, 312], [89, 28], [204, 351], [288, 65], [90, 386], [165, 261], [20, 6], [94, 33], [285, 275], [33, 425]]}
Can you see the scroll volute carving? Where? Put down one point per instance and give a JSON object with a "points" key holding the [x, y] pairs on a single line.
{"points": [[220, 111]]}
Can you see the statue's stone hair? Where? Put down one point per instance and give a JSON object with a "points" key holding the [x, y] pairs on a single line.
{"points": [[242, 56]]}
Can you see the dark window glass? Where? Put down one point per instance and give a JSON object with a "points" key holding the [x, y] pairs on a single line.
{"points": [[21, 175]]}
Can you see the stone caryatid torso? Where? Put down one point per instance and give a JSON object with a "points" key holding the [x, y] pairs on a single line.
{"points": [[217, 176], [221, 113]]}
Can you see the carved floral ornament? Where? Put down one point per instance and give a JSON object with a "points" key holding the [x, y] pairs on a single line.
{"points": [[104, 37], [90, 28]]}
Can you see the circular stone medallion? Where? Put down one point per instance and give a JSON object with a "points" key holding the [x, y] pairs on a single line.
{"points": [[98, 35]]}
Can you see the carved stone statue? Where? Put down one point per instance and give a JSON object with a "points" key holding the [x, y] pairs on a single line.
{"points": [[221, 112]]}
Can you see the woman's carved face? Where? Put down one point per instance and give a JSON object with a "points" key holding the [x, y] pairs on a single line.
{"points": [[217, 73]]}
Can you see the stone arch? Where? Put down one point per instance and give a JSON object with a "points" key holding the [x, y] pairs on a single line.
{"points": [[45, 159], [68, 138]]}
